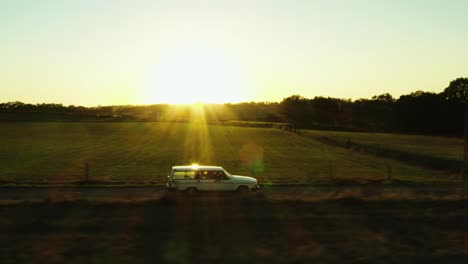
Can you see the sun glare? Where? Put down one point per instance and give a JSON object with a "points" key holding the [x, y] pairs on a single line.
{"points": [[196, 75]]}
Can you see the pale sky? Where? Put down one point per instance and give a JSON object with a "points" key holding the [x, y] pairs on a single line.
{"points": [[103, 52]]}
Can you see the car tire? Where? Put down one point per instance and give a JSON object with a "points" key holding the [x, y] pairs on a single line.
{"points": [[191, 191], [243, 189]]}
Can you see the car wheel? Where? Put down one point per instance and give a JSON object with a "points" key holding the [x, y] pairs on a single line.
{"points": [[191, 191], [243, 189]]}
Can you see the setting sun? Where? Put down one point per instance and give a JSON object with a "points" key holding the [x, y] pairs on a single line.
{"points": [[191, 75]]}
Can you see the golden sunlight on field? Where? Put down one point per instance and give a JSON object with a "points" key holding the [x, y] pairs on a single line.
{"points": [[197, 144], [191, 75]]}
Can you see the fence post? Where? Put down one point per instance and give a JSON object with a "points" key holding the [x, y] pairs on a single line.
{"points": [[465, 154], [86, 172], [331, 171], [389, 171]]}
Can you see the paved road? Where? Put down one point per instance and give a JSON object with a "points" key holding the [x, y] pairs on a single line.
{"points": [[279, 192]]}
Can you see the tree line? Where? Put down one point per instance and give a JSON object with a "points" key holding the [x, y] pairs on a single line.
{"points": [[418, 112]]}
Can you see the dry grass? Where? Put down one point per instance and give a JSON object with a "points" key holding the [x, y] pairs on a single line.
{"points": [[334, 230]]}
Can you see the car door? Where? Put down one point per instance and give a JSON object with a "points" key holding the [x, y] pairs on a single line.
{"points": [[223, 183], [183, 179], [206, 181]]}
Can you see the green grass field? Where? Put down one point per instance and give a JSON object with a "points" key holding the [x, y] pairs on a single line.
{"points": [[440, 147], [145, 151]]}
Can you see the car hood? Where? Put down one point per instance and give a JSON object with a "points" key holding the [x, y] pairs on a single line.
{"points": [[243, 179]]}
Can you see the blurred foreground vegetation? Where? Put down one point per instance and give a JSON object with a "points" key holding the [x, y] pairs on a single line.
{"points": [[234, 231]]}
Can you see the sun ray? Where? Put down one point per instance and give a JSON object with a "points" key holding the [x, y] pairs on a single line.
{"points": [[198, 147]]}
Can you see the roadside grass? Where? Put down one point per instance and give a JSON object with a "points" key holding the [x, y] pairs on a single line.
{"points": [[235, 231], [144, 152]]}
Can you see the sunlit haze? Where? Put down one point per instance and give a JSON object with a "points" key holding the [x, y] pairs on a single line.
{"points": [[143, 52]]}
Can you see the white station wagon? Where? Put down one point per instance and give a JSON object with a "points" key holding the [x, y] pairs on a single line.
{"points": [[196, 178]]}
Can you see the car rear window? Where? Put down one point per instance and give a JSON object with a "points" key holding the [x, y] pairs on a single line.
{"points": [[184, 175]]}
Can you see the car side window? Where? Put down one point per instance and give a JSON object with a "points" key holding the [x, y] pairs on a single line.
{"points": [[208, 175], [214, 175], [223, 176], [219, 175], [178, 175], [197, 175], [183, 175], [204, 175]]}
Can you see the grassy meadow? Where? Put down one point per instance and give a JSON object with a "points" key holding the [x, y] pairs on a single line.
{"points": [[439, 147], [143, 151]]}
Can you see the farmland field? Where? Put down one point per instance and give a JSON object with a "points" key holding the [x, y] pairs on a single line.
{"points": [[58, 151], [440, 147]]}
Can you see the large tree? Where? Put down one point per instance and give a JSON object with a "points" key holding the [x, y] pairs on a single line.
{"points": [[297, 110], [457, 91]]}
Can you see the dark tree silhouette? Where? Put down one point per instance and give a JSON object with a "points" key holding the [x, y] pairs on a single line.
{"points": [[423, 113], [418, 112], [457, 91], [297, 110], [386, 97]]}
